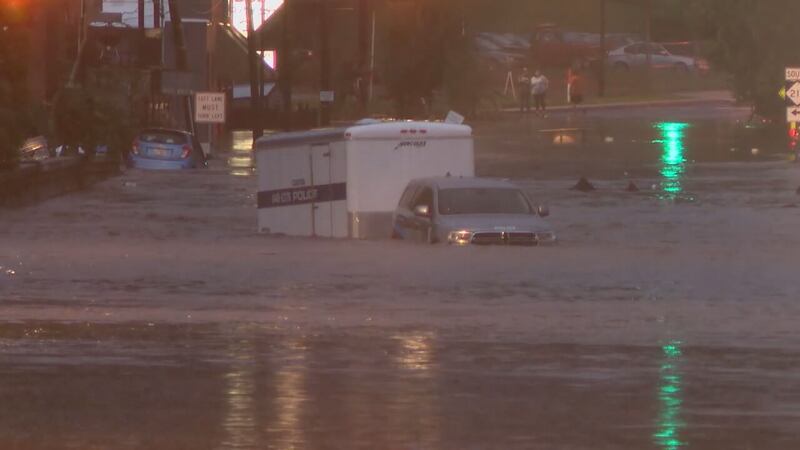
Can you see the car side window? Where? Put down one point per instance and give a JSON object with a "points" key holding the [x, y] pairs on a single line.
{"points": [[547, 36], [408, 195], [633, 49], [424, 197]]}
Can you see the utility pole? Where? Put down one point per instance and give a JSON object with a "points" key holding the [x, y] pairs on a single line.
{"points": [[363, 49], [325, 63], [82, 23], [285, 66], [76, 65], [181, 58], [255, 89], [156, 14], [601, 75], [140, 10], [648, 13]]}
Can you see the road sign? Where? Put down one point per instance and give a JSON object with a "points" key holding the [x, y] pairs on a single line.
{"points": [[782, 93], [326, 96], [793, 114], [209, 107], [793, 93], [793, 74], [175, 82]]}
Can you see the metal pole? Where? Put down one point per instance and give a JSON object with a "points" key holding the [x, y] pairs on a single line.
{"points": [[363, 36], [82, 29], [285, 67], [601, 76], [325, 62], [140, 10], [648, 38], [252, 56], [156, 14], [181, 58], [372, 58]]}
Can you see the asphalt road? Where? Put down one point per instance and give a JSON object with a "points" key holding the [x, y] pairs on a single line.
{"points": [[147, 313]]}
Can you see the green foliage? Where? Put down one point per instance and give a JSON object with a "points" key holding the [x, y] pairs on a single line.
{"points": [[754, 41], [466, 79], [415, 37], [14, 105], [103, 112]]}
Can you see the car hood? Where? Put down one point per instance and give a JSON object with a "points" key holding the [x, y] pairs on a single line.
{"points": [[493, 222]]}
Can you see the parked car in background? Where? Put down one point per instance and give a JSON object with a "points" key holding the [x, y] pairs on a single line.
{"points": [[689, 49], [503, 50], [552, 46], [464, 211], [633, 56], [159, 148]]}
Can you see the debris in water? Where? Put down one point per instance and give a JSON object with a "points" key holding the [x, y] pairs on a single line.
{"points": [[583, 185]]}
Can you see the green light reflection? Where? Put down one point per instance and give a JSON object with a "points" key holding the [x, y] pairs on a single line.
{"points": [[673, 162], [670, 401]]}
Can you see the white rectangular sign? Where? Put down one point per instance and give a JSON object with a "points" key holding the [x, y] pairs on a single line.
{"points": [[793, 114], [793, 74], [454, 117], [209, 107], [326, 96]]}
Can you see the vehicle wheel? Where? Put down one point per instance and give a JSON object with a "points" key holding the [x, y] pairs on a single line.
{"points": [[621, 67], [681, 68]]}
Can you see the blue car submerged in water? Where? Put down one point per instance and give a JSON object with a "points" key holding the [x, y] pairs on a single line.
{"points": [[165, 149]]}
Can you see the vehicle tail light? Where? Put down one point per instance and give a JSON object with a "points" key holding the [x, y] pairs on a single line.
{"points": [[187, 150], [135, 147]]}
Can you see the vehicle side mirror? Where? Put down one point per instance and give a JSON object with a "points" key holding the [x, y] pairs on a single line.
{"points": [[543, 210], [422, 211]]}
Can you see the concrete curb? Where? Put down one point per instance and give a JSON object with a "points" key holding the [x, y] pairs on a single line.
{"points": [[642, 104]]}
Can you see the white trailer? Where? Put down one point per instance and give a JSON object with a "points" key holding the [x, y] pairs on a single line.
{"points": [[346, 182]]}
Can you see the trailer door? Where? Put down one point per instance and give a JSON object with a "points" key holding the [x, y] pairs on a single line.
{"points": [[321, 179]]}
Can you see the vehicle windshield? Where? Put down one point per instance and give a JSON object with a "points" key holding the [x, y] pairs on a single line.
{"points": [[163, 137], [483, 201]]}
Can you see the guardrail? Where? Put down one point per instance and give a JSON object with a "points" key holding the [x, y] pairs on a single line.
{"points": [[32, 182]]}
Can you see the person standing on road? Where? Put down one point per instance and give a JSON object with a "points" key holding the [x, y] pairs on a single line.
{"points": [[539, 86], [524, 89], [576, 89]]}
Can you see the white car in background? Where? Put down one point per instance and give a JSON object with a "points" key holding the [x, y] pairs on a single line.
{"points": [[634, 56]]}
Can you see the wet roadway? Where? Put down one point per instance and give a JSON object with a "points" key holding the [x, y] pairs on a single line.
{"points": [[143, 316]]}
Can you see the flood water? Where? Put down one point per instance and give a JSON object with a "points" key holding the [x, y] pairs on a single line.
{"points": [[624, 143], [244, 386], [147, 313]]}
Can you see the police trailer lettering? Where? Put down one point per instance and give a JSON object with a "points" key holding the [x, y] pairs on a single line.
{"points": [[411, 144]]}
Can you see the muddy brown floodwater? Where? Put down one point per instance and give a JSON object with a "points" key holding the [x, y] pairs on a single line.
{"points": [[146, 313]]}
